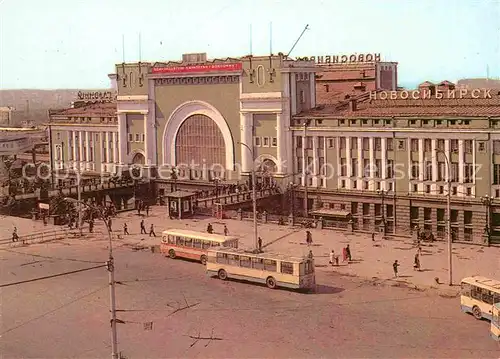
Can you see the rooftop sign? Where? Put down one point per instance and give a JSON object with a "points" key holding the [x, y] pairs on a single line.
{"points": [[95, 95], [199, 68], [341, 59], [427, 94]]}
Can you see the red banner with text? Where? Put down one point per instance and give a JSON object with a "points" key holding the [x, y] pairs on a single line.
{"points": [[198, 68]]}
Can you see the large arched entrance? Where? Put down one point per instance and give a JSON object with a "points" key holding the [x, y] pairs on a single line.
{"points": [[265, 171], [200, 144], [138, 159]]}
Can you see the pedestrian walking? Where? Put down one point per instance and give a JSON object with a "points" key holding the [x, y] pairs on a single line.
{"points": [[416, 265], [373, 237], [125, 228], [348, 253], [147, 210], [226, 231], [143, 227], [395, 266], [309, 239], [259, 244], [310, 255], [91, 226], [419, 249], [210, 229], [152, 230], [15, 237], [332, 257], [110, 225], [344, 254]]}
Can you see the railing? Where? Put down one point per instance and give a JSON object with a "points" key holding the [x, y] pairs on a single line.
{"points": [[38, 237]]}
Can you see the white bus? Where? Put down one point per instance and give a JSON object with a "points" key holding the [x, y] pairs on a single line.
{"points": [[478, 296], [193, 245], [275, 270]]}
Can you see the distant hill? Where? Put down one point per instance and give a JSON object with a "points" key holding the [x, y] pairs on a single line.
{"points": [[32, 105], [479, 83]]}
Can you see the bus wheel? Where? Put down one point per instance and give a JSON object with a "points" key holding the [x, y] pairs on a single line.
{"points": [[222, 274], [476, 312], [171, 254], [271, 282], [203, 260]]}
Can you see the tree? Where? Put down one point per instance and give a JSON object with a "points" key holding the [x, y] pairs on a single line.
{"points": [[61, 207]]}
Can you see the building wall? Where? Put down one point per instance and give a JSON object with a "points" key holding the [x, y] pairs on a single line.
{"points": [[258, 75], [419, 175], [131, 79]]}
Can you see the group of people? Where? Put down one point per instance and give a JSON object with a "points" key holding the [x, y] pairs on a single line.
{"points": [[141, 206], [210, 229], [416, 264], [346, 256]]}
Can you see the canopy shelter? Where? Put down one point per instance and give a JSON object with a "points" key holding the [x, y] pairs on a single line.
{"points": [[331, 214], [180, 204]]}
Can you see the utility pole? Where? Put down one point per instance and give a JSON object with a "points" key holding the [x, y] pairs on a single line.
{"points": [[382, 193], [79, 190], [486, 200], [450, 246], [254, 197], [306, 172]]}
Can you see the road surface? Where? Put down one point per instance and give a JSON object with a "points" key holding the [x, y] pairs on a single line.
{"points": [[68, 317]]}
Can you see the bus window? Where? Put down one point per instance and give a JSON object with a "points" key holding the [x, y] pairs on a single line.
{"points": [[188, 242], [196, 243], [306, 267], [270, 265], [222, 258], [171, 239], [466, 289], [496, 297], [286, 268], [206, 244], [230, 244], [234, 259], [476, 293], [164, 239], [487, 297], [180, 241], [257, 263], [245, 262], [215, 244]]}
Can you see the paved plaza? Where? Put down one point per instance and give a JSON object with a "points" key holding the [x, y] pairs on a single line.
{"points": [[370, 259]]}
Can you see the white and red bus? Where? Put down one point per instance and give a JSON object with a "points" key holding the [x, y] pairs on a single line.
{"points": [[193, 245]]}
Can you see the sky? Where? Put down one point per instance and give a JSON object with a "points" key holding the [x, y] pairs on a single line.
{"points": [[54, 44]]}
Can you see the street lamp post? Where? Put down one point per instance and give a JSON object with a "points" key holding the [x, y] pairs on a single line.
{"points": [[448, 224], [382, 194], [111, 272], [216, 180], [254, 196], [306, 203], [486, 201]]}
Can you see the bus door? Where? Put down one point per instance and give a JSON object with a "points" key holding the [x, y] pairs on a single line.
{"points": [[495, 322]]}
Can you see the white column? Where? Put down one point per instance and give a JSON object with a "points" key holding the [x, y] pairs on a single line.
{"points": [[87, 144], [339, 165], [371, 184], [147, 151], [348, 157], [122, 138], [474, 165], [315, 161], [383, 160], [304, 160], [246, 128], [434, 154], [360, 159], [312, 88], [447, 163], [115, 148], [410, 163], [75, 153], [293, 97], [280, 139], [107, 147], [461, 161], [80, 150], [421, 159]]}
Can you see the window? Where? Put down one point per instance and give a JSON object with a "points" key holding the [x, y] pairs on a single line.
{"points": [[440, 145], [137, 137], [441, 189], [245, 262], [468, 146], [366, 168], [354, 167], [414, 145], [258, 142], [196, 243], [476, 293], [415, 188], [221, 258], [376, 122], [321, 142], [454, 172], [143, 138], [378, 168], [180, 241], [378, 144], [454, 145], [342, 143], [466, 289], [309, 142], [427, 189], [58, 136], [343, 167], [454, 191], [299, 164], [233, 259], [468, 172], [205, 244], [321, 164], [97, 137], [425, 122], [481, 147], [401, 145], [353, 122], [365, 122], [439, 122], [265, 141], [188, 242], [390, 145], [342, 184], [441, 170], [388, 122], [415, 170], [331, 143], [496, 147], [366, 144], [428, 171], [269, 265], [427, 145], [130, 137], [286, 268], [274, 142], [257, 263], [390, 168], [306, 267], [342, 122], [354, 143], [298, 141], [496, 174], [413, 122], [302, 97]]}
